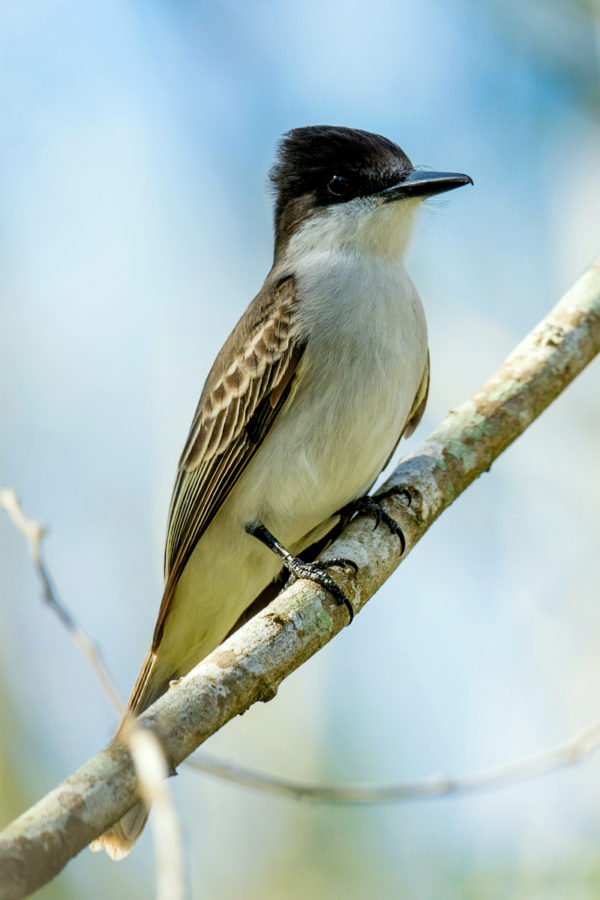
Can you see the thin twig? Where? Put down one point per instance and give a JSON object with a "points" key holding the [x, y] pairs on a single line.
{"points": [[35, 532], [146, 752], [152, 772], [353, 794]]}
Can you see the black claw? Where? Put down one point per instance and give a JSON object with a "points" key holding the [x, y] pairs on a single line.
{"points": [[341, 562], [397, 491], [350, 609], [370, 506], [395, 529], [315, 571]]}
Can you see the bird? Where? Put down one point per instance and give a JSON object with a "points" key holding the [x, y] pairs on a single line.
{"points": [[325, 371]]}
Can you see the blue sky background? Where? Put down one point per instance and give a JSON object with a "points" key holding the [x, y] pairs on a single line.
{"points": [[135, 140]]}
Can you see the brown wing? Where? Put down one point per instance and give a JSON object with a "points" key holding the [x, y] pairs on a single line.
{"points": [[245, 389], [419, 404], [416, 411]]}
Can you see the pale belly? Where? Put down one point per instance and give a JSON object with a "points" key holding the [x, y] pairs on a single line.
{"points": [[326, 448]]}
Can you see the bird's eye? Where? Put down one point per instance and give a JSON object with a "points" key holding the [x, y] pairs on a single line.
{"points": [[338, 186]]}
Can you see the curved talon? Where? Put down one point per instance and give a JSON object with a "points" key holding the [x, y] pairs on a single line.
{"points": [[315, 572], [378, 513], [370, 506], [401, 490], [395, 529], [350, 609], [341, 562]]}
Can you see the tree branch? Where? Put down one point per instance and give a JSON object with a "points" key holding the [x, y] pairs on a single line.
{"points": [[145, 749], [549, 760], [251, 664]]}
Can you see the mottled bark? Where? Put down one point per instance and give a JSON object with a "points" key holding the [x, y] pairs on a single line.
{"points": [[251, 664]]}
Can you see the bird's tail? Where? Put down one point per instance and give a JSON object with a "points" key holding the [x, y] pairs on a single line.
{"points": [[120, 837]]}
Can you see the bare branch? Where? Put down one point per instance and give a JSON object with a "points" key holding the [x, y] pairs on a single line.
{"points": [[151, 768], [549, 760], [251, 664], [34, 532], [147, 754]]}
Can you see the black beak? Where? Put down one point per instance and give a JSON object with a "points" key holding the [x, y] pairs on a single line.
{"points": [[419, 183]]}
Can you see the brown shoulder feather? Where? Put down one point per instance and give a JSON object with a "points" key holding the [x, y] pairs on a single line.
{"points": [[245, 390]]}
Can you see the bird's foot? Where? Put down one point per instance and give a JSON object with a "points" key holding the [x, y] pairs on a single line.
{"points": [[313, 571], [371, 506], [317, 572]]}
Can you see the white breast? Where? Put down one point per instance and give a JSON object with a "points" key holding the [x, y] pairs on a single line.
{"points": [[365, 357], [366, 353]]}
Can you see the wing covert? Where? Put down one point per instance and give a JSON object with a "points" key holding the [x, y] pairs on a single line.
{"points": [[245, 390]]}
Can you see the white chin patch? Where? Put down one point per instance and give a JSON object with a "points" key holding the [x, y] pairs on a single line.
{"points": [[362, 225]]}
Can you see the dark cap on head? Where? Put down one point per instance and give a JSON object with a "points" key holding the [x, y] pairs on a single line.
{"points": [[321, 165], [309, 159]]}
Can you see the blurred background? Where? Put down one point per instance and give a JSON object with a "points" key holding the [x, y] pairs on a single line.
{"points": [[135, 140]]}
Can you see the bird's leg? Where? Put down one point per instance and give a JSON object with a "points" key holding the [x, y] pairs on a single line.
{"points": [[313, 571], [371, 506]]}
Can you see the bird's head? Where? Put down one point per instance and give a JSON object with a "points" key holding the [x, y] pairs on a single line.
{"points": [[349, 189]]}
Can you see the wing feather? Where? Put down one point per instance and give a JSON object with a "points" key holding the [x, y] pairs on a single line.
{"points": [[419, 404], [245, 390]]}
